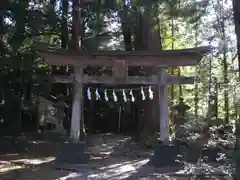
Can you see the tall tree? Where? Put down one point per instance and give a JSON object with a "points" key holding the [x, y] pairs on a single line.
{"points": [[236, 12], [64, 24]]}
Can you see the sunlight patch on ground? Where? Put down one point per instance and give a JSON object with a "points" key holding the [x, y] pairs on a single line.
{"points": [[116, 165], [34, 161], [119, 171], [102, 147], [69, 176], [116, 171], [8, 167]]}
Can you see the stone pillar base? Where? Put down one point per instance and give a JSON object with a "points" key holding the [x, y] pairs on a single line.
{"points": [[72, 153], [164, 155]]}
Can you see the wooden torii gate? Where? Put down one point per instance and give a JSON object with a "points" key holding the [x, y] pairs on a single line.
{"points": [[120, 61]]}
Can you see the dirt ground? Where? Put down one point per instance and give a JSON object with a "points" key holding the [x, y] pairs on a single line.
{"points": [[35, 161]]}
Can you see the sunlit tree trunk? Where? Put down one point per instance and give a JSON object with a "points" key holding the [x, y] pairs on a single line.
{"points": [[172, 69], [180, 86], [209, 88], [225, 66], [196, 90]]}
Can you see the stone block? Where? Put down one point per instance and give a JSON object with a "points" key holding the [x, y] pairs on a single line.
{"points": [[72, 153], [164, 155]]}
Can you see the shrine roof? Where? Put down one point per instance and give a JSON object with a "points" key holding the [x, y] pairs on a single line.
{"points": [[164, 58], [51, 99]]}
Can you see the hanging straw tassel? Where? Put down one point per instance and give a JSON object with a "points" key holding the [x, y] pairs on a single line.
{"points": [[114, 96], [124, 95], [150, 92], [132, 97], [143, 95], [105, 95], [89, 94], [98, 97]]}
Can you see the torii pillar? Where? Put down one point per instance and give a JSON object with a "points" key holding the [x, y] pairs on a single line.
{"points": [[163, 106]]}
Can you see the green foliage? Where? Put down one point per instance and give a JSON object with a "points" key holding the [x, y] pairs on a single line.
{"points": [[22, 75]]}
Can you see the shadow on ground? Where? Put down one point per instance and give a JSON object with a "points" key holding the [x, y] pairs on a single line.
{"points": [[113, 157]]}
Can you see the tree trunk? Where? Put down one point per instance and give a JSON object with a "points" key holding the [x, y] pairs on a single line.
{"points": [[12, 121], [150, 38], [209, 88], [74, 44], [57, 88], [196, 94], [64, 26], [225, 68], [127, 35], [77, 32], [236, 11], [172, 72], [144, 38], [1, 31]]}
